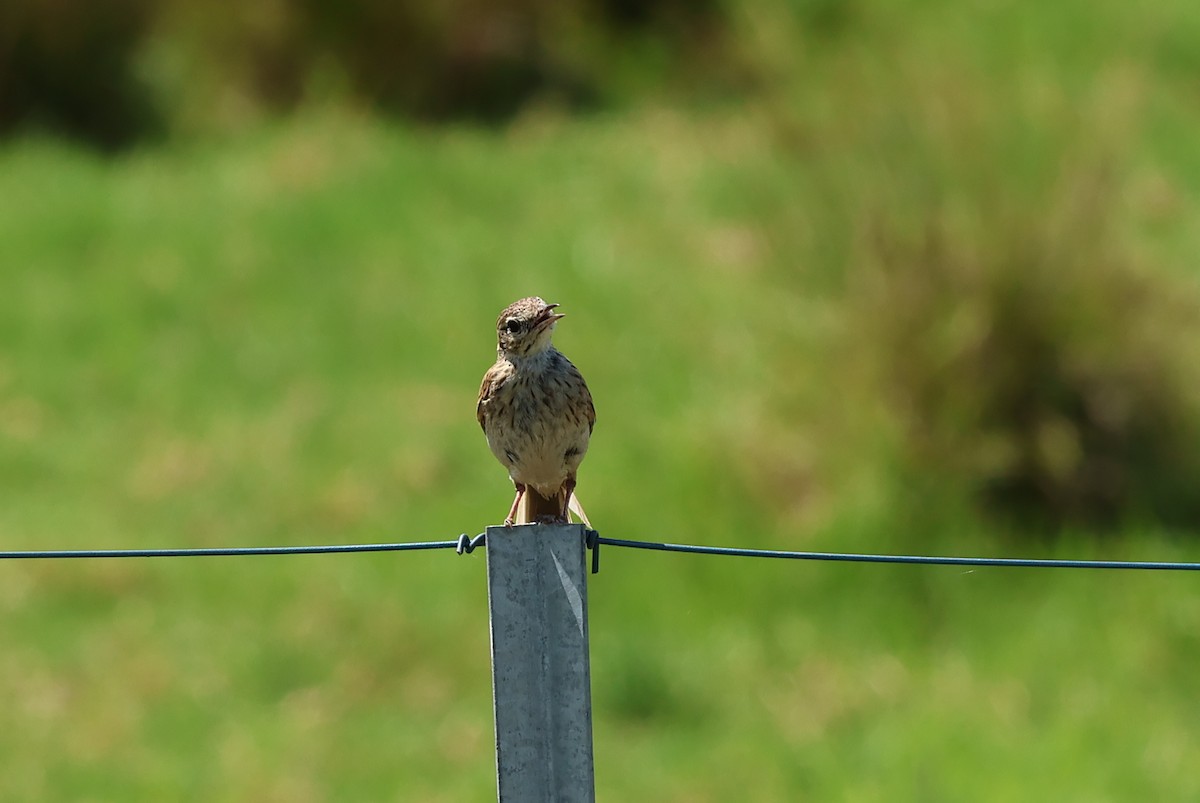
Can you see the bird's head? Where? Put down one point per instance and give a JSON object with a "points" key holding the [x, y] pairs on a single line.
{"points": [[525, 326]]}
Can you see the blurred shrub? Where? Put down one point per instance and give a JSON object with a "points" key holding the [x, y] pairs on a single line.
{"points": [[1030, 357], [82, 67], [69, 65], [985, 274]]}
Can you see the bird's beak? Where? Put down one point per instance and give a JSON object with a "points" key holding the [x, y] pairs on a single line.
{"points": [[548, 316]]}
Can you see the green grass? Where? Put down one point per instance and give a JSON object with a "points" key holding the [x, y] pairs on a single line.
{"points": [[277, 338]]}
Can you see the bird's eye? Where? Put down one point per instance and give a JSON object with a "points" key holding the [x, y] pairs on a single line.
{"points": [[512, 325]]}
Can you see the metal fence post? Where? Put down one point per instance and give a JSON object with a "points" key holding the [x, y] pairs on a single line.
{"points": [[541, 679]]}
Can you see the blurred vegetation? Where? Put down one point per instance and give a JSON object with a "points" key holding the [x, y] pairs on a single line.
{"points": [[114, 71], [1033, 350], [70, 67], [988, 275], [841, 275]]}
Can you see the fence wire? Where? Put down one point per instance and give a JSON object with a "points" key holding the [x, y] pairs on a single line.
{"points": [[926, 560], [209, 552], [465, 544]]}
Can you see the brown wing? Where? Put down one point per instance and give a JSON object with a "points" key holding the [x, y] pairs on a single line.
{"points": [[485, 393], [589, 409], [492, 380]]}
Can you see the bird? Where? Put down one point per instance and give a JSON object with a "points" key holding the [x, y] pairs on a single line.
{"points": [[537, 414]]}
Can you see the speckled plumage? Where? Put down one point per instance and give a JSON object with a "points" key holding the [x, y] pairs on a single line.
{"points": [[535, 408]]}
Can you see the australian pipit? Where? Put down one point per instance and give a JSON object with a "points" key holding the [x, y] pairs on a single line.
{"points": [[536, 412]]}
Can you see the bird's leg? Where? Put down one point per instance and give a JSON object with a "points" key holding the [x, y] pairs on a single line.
{"points": [[568, 488], [512, 511]]}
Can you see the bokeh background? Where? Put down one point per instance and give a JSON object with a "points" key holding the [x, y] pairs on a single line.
{"points": [[842, 275]]}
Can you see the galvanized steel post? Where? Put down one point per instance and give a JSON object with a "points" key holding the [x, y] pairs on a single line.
{"points": [[541, 678]]}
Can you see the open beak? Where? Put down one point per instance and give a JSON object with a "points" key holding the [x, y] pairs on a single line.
{"points": [[547, 317]]}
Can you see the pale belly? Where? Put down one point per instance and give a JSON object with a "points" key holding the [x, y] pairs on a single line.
{"points": [[542, 456], [539, 430]]}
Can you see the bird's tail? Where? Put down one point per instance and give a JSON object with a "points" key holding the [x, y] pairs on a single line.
{"points": [[534, 507], [574, 505]]}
